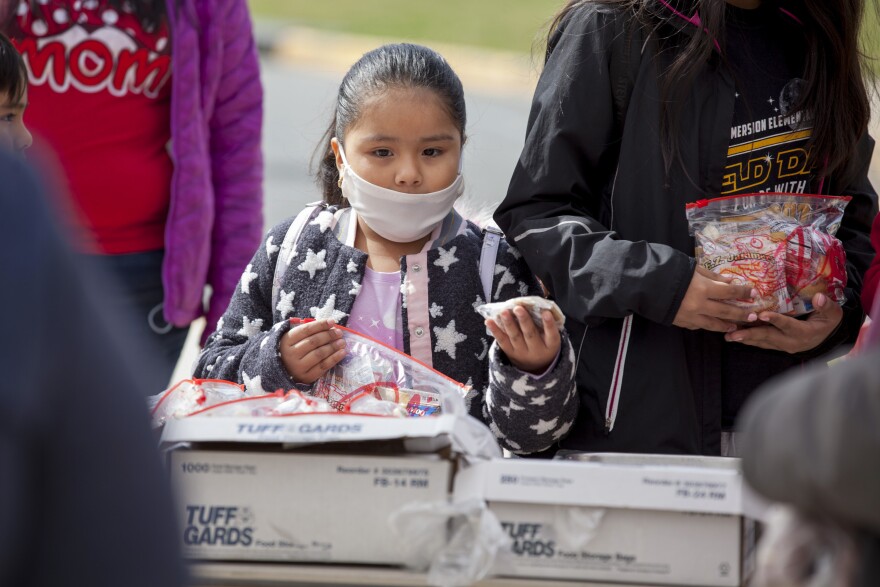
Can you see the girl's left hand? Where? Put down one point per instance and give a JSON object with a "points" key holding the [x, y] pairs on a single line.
{"points": [[528, 349], [784, 333]]}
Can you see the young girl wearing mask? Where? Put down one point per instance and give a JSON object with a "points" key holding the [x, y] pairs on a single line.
{"points": [[387, 255]]}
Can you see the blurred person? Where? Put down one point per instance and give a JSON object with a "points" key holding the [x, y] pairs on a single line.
{"points": [[14, 135], [153, 110], [812, 440], [386, 254], [84, 499]]}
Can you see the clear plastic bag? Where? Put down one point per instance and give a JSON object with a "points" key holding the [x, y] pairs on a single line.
{"points": [[384, 374], [783, 244], [190, 395], [534, 304], [797, 551]]}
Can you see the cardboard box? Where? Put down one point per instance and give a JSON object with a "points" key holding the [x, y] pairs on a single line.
{"points": [[318, 488], [286, 506], [628, 518]]}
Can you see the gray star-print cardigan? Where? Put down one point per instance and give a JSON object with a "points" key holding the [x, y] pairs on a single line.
{"points": [[441, 288]]}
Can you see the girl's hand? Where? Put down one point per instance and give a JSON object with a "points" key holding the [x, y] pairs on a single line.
{"points": [[309, 350], [528, 349], [784, 333], [702, 306]]}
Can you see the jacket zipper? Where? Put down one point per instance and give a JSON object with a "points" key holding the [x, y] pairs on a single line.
{"points": [[617, 375]]}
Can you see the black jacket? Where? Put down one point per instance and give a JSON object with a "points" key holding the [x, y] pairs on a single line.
{"points": [[597, 217]]}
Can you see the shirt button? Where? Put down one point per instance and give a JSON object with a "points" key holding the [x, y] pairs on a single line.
{"points": [[420, 331], [417, 268]]}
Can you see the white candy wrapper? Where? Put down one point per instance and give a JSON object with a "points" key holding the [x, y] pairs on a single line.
{"points": [[534, 304]]}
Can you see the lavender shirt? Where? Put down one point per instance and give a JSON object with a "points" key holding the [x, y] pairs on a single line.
{"points": [[376, 310]]}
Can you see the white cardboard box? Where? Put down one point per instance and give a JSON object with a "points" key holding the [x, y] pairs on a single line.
{"points": [[284, 506], [628, 518], [284, 489]]}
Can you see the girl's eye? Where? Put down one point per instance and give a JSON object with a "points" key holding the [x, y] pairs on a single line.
{"points": [[382, 152], [432, 152], [7, 117]]}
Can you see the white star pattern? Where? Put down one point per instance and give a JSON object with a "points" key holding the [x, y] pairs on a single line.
{"points": [[265, 340], [506, 278], [523, 288], [313, 263], [246, 278], [541, 400], [771, 101], [406, 288], [446, 259], [285, 303], [544, 426], [512, 407], [479, 302], [448, 339], [352, 266], [250, 328], [485, 351], [514, 252], [435, 311], [271, 249], [374, 323], [355, 288], [254, 386], [768, 158], [328, 311], [220, 323], [563, 430], [521, 386], [323, 221]]}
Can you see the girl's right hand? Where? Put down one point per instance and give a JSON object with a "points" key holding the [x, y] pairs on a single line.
{"points": [[310, 349], [703, 306]]}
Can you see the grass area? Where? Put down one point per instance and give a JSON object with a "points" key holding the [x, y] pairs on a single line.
{"points": [[513, 25], [499, 24]]}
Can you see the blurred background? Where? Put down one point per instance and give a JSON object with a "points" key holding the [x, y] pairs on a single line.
{"points": [[495, 46]]}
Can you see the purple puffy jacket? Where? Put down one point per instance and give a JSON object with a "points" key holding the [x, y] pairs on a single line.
{"points": [[215, 218]]}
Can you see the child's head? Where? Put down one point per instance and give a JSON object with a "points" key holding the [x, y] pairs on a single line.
{"points": [[13, 98], [400, 120]]}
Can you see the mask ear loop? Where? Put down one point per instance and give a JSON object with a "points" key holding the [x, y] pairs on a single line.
{"points": [[344, 160]]}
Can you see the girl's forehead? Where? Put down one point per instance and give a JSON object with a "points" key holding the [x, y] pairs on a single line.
{"points": [[405, 110]]}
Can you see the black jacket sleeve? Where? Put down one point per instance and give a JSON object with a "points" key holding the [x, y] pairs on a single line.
{"points": [[553, 203]]}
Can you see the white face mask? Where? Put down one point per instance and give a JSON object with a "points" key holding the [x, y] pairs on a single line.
{"points": [[396, 216]]}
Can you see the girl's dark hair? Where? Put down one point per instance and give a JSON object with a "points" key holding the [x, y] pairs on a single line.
{"points": [[835, 68], [401, 65], [148, 12], [13, 75]]}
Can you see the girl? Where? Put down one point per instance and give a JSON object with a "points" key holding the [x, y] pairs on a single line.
{"points": [[644, 106], [153, 109], [14, 135], [388, 256]]}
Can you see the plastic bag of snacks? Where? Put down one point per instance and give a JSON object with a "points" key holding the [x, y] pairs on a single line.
{"points": [[783, 244], [378, 378], [533, 304], [191, 395]]}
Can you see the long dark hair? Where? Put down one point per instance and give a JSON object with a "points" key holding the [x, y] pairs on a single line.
{"points": [[401, 65], [148, 12], [835, 68], [13, 75]]}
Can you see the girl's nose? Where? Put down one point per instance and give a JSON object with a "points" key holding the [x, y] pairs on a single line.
{"points": [[408, 175]]}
